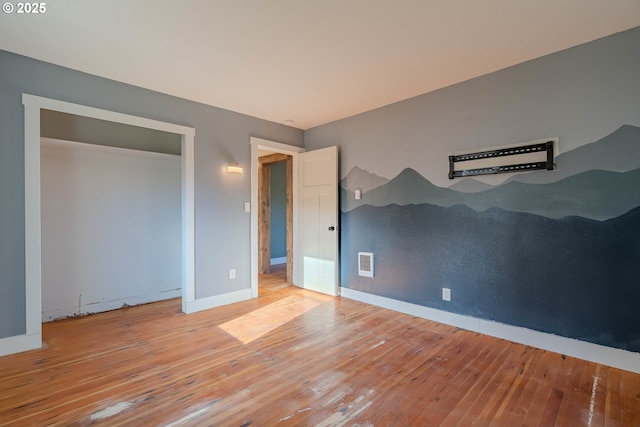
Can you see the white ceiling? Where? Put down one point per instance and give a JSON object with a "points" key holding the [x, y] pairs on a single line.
{"points": [[309, 61]]}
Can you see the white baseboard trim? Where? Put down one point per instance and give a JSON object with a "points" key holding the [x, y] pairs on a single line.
{"points": [[101, 306], [20, 343], [276, 261], [218, 300], [621, 359]]}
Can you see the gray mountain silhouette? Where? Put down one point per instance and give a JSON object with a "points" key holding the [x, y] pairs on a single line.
{"points": [[618, 152], [361, 179], [469, 185], [596, 194], [408, 188]]}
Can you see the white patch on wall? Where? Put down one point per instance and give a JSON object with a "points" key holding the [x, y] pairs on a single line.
{"points": [[111, 227]]}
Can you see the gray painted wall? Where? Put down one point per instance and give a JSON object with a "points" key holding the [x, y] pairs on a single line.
{"points": [[579, 95], [582, 95], [221, 137]]}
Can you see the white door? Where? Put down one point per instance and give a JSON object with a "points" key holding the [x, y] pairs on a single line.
{"points": [[318, 210]]}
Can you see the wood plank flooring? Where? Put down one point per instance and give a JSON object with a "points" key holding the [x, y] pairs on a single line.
{"points": [[297, 358]]}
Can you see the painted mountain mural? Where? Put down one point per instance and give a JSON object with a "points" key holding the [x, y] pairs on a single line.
{"points": [[594, 194], [361, 179], [571, 190], [559, 256]]}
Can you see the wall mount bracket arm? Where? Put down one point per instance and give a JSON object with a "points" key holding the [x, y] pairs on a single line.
{"points": [[541, 148]]}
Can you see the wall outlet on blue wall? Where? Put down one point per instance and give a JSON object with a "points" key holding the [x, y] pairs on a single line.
{"points": [[446, 294]]}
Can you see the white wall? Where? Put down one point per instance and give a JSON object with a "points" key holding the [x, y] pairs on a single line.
{"points": [[111, 223]]}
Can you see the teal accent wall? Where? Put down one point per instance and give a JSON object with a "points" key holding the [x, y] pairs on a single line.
{"points": [[278, 210]]}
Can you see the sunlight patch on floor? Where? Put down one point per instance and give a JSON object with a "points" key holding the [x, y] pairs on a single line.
{"points": [[259, 322]]}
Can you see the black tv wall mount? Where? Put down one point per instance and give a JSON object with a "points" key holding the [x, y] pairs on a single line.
{"points": [[540, 148]]}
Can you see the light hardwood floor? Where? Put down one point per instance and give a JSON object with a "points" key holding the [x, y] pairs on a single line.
{"points": [[297, 358]]}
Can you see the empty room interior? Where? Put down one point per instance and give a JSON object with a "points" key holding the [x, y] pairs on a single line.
{"points": [[320, 213]]}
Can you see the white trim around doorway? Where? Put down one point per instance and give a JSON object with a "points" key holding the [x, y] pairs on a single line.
{"points": [[32, 338], [275, 147]]}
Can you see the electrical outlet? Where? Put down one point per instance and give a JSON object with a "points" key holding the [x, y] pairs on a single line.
{"points": [[446, 294], [232, 273]]}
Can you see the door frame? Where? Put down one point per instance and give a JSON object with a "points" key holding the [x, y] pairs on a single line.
{"points": [[274, 147], [33, 257]]}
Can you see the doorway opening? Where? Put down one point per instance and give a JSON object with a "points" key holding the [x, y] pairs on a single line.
{"points": [[110, 215], [33, 257], [275, 212], [275, 221], [265, 154], [315, 216]]}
